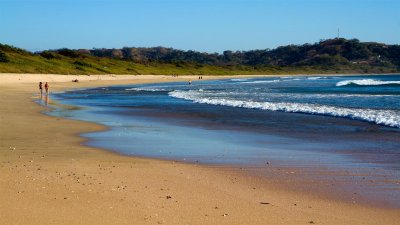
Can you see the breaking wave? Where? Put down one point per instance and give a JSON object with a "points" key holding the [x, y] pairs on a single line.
{"points": [[383, 117], [260, 81], [366, 82], [146, 89], [316, 78]]}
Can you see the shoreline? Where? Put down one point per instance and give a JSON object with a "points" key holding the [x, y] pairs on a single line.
{"points": [[282, 172], [12, 77], [195, 190]]}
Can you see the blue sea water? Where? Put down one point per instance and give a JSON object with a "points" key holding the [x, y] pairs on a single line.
{"points": [[340, 121], [346, 123]]}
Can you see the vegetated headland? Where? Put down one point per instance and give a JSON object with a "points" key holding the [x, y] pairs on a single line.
{"points": [[332, 56]]}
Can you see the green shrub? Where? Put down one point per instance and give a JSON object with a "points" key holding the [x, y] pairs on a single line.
{"points": [[49, 55], [9, 48], [4, 57], [69, 53], [80, 63]]}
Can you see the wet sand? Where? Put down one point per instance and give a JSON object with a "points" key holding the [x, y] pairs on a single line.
{"points": [[49, 177]]}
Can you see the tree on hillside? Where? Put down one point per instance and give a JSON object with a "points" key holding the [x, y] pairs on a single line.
{"points": [[3, 57]]}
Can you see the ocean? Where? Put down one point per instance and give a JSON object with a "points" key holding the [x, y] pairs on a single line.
{"points": [[343, 123]]}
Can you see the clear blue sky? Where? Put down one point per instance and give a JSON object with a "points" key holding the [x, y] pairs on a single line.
{"points": [[202, 25]]}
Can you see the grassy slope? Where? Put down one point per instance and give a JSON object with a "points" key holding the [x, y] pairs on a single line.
{"points": [[29, 63]]}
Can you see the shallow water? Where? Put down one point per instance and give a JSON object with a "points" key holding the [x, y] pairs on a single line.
{"points": [[343, 123]]}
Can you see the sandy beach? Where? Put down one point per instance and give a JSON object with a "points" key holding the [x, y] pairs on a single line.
{"points": [[47, 176]]}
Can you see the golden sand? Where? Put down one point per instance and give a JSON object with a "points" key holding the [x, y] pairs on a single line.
{"points": [[48, 177]]}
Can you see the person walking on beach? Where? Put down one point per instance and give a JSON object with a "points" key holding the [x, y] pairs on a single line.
{"points": [[41, 88], [46, 86]]}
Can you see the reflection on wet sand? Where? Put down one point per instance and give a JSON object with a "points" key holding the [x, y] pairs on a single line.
{"points": [[46, 99]]}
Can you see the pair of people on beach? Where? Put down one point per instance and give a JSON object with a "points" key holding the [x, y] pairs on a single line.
{"points": [[46, 87]]}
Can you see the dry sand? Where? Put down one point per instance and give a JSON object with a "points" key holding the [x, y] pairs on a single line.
{"points": [[51, 178]]}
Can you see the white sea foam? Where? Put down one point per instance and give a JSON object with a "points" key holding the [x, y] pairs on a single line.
{"points": [[366, 82], [383, 117], [287, 79], [146, 89], [291, 78], [316, 78], [239, 79], [260, 81]]}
